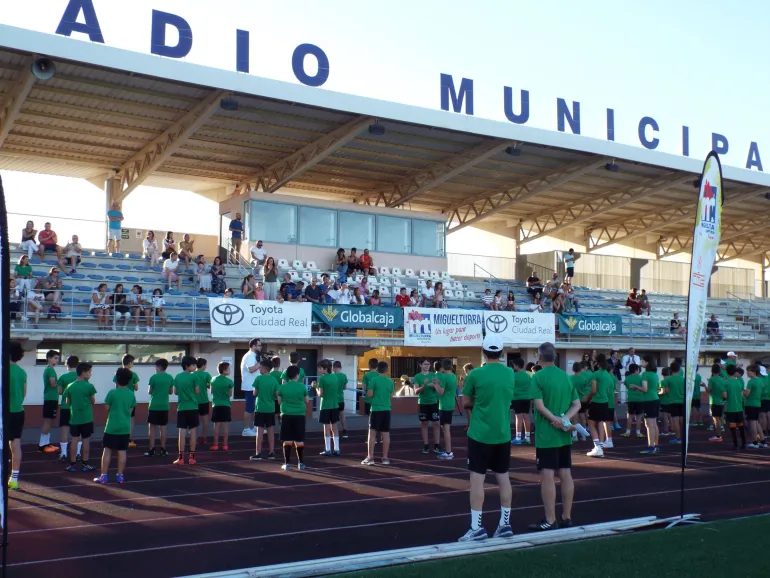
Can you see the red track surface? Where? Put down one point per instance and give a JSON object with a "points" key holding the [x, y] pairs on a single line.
{"points": [[228, 513]]}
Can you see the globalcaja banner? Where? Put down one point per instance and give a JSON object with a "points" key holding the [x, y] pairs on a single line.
{"points": [[443, 327], [590, 324], [521, 328], [358, 316], [247, 318]]}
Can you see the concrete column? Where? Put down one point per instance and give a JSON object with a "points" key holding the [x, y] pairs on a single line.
{"points": [[636, 272]]}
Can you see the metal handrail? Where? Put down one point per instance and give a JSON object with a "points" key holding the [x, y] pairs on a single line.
{"points": [[499, 282]]}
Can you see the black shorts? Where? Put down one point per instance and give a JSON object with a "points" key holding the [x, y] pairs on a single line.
{"points": [[597, 411], [429, 412], [752, 413], [765, 405], [379, 421], [15, 425], [610, 415], [483, 457], [717, 410], [329, 416], [651, 409], [115, 442], [203, 409], [133, 412], [222, 414], [695, 403], [341, 406], [554, 458], [570, 271], [187, 418], [157, 417], [521, 405], [665, 408], [49, 409], [64, 417], [445, 416], [676, 409], [277, 407], [734, 417], [265, 420], [83, 430], [367, 408], [635, 407], [49, 247], [293, 428], [584, 407]]}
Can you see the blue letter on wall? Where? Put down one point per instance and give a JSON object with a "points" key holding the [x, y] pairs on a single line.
{"points": [[686, 141], [521, 118], [754, 160], [69, 23], [563, 113], [719, 144], [242, 50], [298, 65], [465, 94], [158, 42], [643, 124], [610, 124]]}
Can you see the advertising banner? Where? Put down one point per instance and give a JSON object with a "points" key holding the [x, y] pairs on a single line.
{"points": [[590, 324], [358, 316], [521, 328], [443, 327], [246, 318]]}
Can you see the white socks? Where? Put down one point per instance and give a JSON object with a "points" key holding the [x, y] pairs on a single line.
{"points": [[80, 445], [14, 475], [505, 517], [45, 439], [328, 443], [597, 443], [526, 435], [518, 435], [63, 447], [336, 443], [476, 519]]}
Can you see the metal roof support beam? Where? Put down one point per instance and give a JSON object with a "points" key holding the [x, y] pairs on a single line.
{"points": [[136, 169], [612, 233], [437, 173], [742, 249], [493, 202], [539, 225], [11, 105], [667, 247], [280, 173]]}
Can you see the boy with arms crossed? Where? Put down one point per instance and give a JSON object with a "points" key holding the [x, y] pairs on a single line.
{"points": [[380, 394], [50, 402], [221, 392], [293, 399], [265, 388], [186, 390], [446, 405], [119, 403], [80, 397], [328, 388], [161, 386], [64, 408], [427, 399]]}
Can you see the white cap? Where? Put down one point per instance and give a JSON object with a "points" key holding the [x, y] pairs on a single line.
{"points": [[731, 354], [762, 370], [721, 362], [493, 342]]}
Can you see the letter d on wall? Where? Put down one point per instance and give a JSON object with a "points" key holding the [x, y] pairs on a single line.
{"points": [[160, 20]]}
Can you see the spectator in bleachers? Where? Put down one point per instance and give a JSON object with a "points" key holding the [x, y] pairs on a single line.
{"points": [[23, 274], [258, 257], [511, 303], [247, 287], [72, 252], [99, 306], [228, 294], [48, 241], [402, 299], [353, 263], [14, 301], [186, 251], [675, 327], [171, 271], [536, 306], [367, 263], [488, 300], [28, 235], [169, 245], [313, 291], [644, 302], [325, 287], [414, 300], [375, 298], [497, 301], [150, 248], [202, 277], [428, 292], [439, 299], [120, 306], [570, 299], [52, 287], [158, 302], [139, 306], [115, 218], [633, 302], [299, 292], [552, 287], [343, 295], [259, 292], [363, 285], [569, 265], [557, 304], [358, 298], [286, 284], [341, 264], [534, 286], [271, 278], [35, 300], [713, 333], [218, 276], [236, 237]]}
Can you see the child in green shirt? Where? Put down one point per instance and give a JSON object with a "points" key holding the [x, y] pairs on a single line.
{"points": [[18, 391], [221, 392], [119, 403], [64, 409], [161, 387], [343, 381], [203, 381], [186, 390], [80, 396]]}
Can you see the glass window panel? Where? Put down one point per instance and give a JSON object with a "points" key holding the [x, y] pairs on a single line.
{"points": [[356, 230], [317, 227], [150, 353], [96, 353], [272, 222], [43, 348], [428, 238], [393, 234]]}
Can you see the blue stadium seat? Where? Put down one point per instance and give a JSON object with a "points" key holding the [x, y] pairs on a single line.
{"points": [[174, 292], [113, 278], [141, 268], [175, 318], [35, 260], [66, 287], [192, 293], [96, 277], [124, 267], [149, 280], [83, 288], [106, 266], [156, 269], [88, 265], [101, 254], [184, 305], [77, 276], [131, 279], [133, 256], [79, 315]]}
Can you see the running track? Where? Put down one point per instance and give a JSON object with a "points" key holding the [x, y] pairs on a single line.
{"points": [[229, 513]]}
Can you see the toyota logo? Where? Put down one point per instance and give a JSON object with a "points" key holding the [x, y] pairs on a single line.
{"points": [[227, 314], [496, 323]]}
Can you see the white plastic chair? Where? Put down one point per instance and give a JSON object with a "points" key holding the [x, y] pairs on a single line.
{"points": [[396, 272], [283, 265], [424, 274]]}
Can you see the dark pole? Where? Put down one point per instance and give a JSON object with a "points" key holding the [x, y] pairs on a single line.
{"points": [[5, 328]]}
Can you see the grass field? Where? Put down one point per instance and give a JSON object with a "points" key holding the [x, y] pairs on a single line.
{"points": [[716, 549]]}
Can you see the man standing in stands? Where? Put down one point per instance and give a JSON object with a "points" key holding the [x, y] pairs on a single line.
{"points": [[569, 265], [115, 217], [236, 236]]}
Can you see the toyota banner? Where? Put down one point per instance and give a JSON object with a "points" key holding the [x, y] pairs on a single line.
{"points": [[246, 318], [517, 328]]}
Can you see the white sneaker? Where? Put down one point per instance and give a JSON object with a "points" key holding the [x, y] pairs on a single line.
{"points": [[608, 444], [248, 433], [367, 462], [597, 452]]}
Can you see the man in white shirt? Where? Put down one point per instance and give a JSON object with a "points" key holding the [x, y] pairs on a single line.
{"points": [[258, 257], [72, 252], [426, 299], [628, 359], [170, 267], [569, 265], [249, 372]]}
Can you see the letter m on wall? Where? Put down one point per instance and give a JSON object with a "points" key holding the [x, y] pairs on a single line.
{"points": [[457, 97]]}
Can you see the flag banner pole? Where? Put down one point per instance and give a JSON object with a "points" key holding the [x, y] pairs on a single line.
{"points": [[706, 235], [5, 336]]}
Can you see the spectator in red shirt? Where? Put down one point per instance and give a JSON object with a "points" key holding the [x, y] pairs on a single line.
{"points": [[402, 299], [367, 263], [50, 242]]}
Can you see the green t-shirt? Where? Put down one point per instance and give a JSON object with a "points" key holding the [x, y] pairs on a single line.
{"points": [[696, 387], [265, 388], [522, 385], [277, 375], [18, 381], [766, 392], [427, 396], [343, 382], [448, 399], [555, 388], [366, 381], [675, 385], [605, 387], [491, 388], [79, 395], [717, 386], [50, 393], [221, 389], [121, 401], [284, 379], [756, 387], [23, 271], [63, 382], [383, 389], [160, 386], [184, 383], [133, 385], [203, 381], [329, 386], [293, 396], [582, 383], [734, 388], [633, 395], [653, 382]]}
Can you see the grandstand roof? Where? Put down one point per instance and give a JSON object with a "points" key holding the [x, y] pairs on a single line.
{"points": [[88, 121]]}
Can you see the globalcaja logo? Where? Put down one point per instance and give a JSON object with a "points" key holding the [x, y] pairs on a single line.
{"points": [[571, 322], [418, 323], [227, 314], [329, 313], [496, 323]]}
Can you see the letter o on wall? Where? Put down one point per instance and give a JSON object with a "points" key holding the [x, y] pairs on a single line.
{"points": [[298, 65]]}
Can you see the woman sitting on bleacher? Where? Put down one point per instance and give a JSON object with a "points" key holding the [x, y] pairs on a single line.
{"points": [[28, 235], [158, 302], [439, 299], [139, 306], [202, 277], [633, 302], [120, 307], [150, 249], [23, 274], [100, 307], [218, 275], [247, 287], [169, 245], [511, 303]]}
